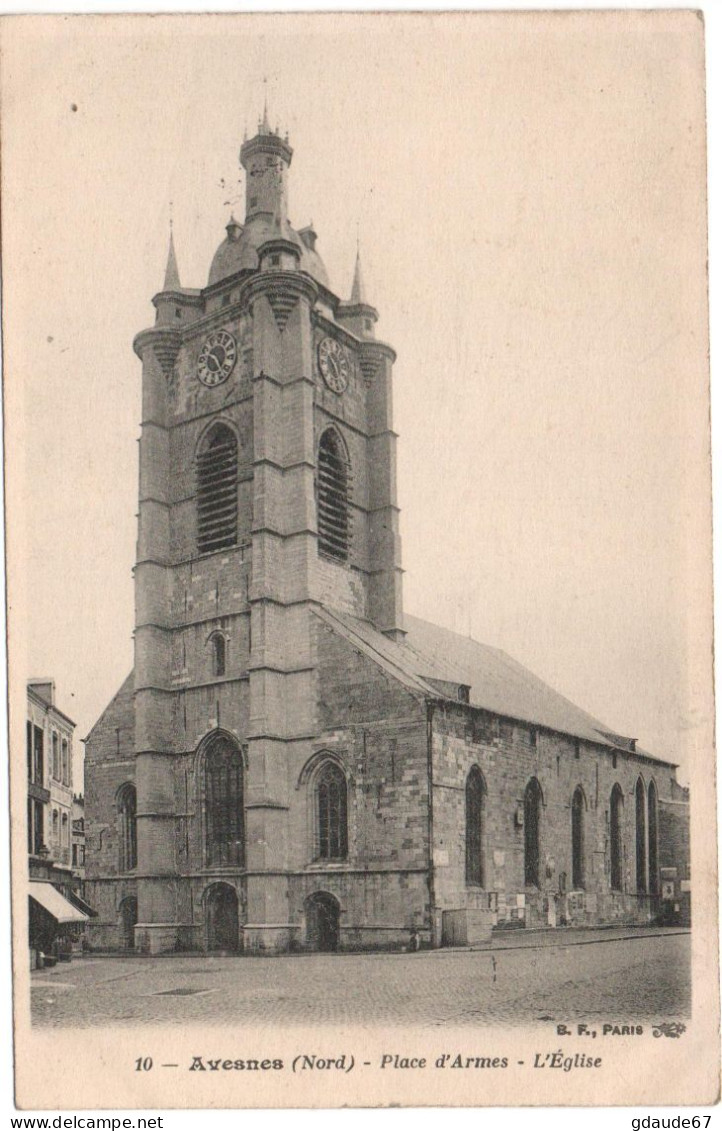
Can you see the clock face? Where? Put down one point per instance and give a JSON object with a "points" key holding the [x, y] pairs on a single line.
{"points": [[334, 364], [217, 358]]}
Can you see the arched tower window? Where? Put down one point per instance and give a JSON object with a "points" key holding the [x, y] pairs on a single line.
{"points": [[224, 817], [532, 820], [616, 810], [331, 813], [475, 799], [578, 839], [127, 832], [653, 842], [332, 497], [217, 490], [218, 653], [641, 835]]}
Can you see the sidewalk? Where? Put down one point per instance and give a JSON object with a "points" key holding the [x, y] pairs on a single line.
{"points": [[570, 936]]}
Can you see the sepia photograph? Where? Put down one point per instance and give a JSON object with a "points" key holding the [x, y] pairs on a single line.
{"points": [[359, 560]]}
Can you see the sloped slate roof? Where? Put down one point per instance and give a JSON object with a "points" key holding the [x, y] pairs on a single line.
{"points": [[497, 683]]}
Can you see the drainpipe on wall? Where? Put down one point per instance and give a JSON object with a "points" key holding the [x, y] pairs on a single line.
{"points": [[435, 939]]}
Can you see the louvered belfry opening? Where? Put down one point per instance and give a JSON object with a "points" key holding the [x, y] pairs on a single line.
{"points": [[333, 489], [217, 485]]}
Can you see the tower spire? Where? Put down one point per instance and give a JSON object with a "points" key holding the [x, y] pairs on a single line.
{"points": [[265, 128], [172, 278], [358, 290]]}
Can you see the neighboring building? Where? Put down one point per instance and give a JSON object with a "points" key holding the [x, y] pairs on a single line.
{"points": [[49, 741], [55, 907], [675, 855], [293, 763], [78, 835]]}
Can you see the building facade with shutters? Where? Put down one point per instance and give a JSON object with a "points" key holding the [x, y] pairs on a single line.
{"points": [[293, 763], [49, 742]]}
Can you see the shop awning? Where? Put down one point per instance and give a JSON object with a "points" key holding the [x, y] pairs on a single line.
{"points": [[79, 902], [54, 903]]}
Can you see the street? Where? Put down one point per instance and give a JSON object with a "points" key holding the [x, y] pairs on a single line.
{"points": [[601, 975]]}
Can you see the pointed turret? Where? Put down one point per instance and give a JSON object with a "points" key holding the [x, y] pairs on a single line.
{"points": [[358, 290], [172, 278], [358, 313]]}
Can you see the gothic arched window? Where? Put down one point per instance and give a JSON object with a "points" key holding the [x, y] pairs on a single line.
{"points": [[640, 821], [475, 797], [332, 497], [653, 845], [224, 817], [331, 813], [218, 648], [532, 820], [217, 490], [616, 809], [127, 831], [578, 839]]}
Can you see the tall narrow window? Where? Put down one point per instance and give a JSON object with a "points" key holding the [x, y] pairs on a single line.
{"points": [[29, 734], [217, 490], [332, 490], [38, 756], [532, 816], [641, 835], [578, 839], [331, 814], [218, 645], [127, 831], [65, 762], [56, 757], [616, 808], [225, 831], [653, 839], [475, 792]]}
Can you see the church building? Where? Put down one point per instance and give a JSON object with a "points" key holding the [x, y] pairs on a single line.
{"points": [[294, 764]]}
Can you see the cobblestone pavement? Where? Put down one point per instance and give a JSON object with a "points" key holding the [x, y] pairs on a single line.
{"points": [[643, 978]]}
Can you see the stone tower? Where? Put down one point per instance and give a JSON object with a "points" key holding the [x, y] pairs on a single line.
{"points": [[265, 398]]}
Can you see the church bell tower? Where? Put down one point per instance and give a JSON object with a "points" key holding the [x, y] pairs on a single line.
{"points": [[267, 491]]}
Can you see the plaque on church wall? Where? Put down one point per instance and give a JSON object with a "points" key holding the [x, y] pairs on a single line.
{"points": [[358, 541]]}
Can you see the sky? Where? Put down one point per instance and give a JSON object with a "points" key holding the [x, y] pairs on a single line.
{"points": [[528, 200]]}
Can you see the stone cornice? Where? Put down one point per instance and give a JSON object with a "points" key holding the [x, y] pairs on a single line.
{"points": [[165, 342]]}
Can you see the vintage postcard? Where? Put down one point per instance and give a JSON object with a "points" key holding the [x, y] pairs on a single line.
{"points": [[359, 567]]}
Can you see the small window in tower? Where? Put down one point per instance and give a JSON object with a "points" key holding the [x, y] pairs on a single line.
{"points": [[533, 736], [226, 300], [217, 486], [577, 748], [254, 201], [368, 323], [178, 312], [332, 488], [218, 643], [275, 260]]}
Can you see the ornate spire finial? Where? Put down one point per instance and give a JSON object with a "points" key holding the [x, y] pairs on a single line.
{"points": [[172, 278], [264, 124]]}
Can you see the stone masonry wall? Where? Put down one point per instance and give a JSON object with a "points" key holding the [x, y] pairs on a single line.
{"points": [[509, 754]]}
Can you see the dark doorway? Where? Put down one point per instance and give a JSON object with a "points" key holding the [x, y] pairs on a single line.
{"points": [[222, 918], [322, 922], [128, 919]]}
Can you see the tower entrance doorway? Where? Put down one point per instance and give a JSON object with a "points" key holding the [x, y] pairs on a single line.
{"points": [[222, 918], [322, 922], [128, 919]]}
